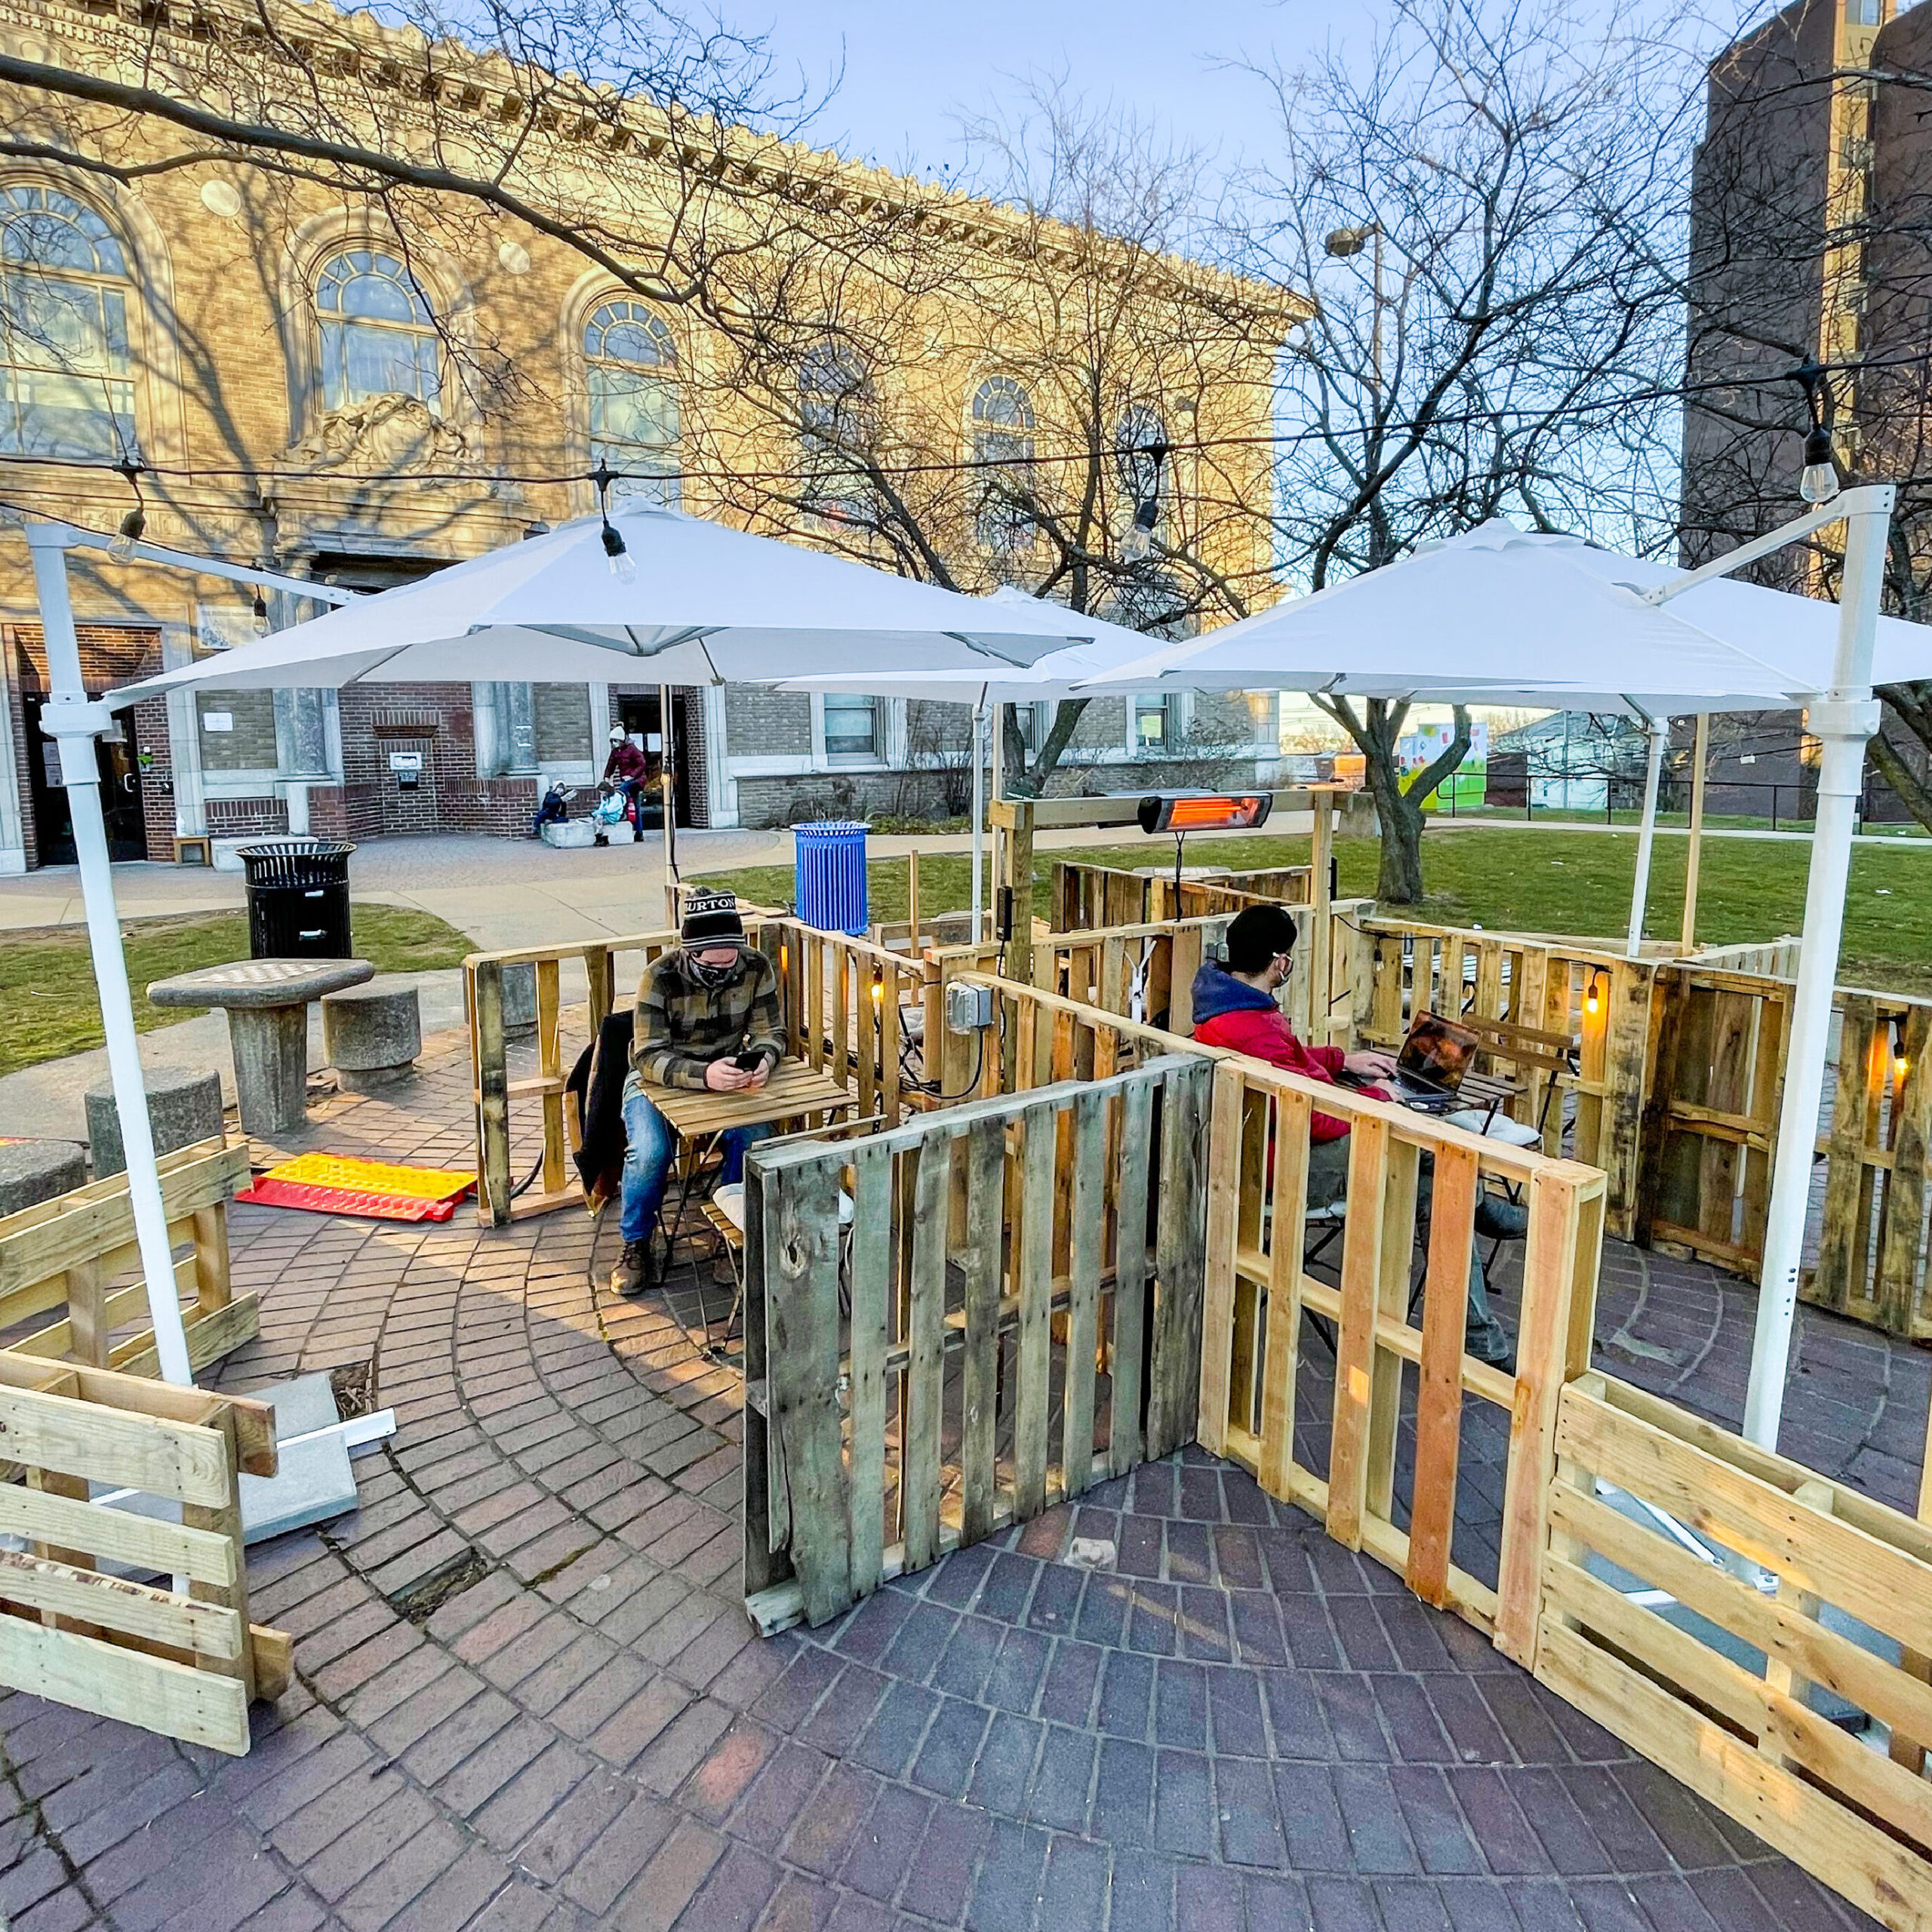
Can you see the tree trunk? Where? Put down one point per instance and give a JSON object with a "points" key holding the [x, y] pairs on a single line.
{"points": [[1911, 704], [1375, 730], [1398, 872]]}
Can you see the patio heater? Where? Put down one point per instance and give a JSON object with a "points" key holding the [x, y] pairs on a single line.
{"points": [[1180, 813], [74, 721]]}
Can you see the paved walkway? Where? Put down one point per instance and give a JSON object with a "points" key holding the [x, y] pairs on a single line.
{"points": [[527, 1700], [504, 892]]}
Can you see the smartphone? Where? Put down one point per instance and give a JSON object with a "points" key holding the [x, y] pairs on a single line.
{"points": [[745, 1062]]}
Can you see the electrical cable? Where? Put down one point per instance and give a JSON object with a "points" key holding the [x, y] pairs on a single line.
{"points": [[1280, 439]]}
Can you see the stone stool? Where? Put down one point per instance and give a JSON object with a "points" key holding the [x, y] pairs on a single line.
{"points": [[183, 1106], [372, 1035], [267, 1004], [32, 1171], [520, 998]]}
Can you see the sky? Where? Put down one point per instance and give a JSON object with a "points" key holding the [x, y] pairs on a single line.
{"points": [[910, 71]]}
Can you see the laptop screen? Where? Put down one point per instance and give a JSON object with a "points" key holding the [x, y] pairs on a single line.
{"points": [[1436, 1053]]}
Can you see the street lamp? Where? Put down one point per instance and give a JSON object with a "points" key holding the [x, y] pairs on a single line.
{"points": [[1343, 243]]}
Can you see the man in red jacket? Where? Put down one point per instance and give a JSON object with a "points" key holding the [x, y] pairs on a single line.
{"points": [[1235, 1006]]}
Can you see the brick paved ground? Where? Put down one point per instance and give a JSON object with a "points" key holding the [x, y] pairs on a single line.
{"points": [[1243, 1727]]}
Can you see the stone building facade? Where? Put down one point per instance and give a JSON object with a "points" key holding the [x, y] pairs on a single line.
{"points": [[296, 396]]}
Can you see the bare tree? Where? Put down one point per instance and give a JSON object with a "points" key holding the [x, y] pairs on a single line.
{"points": [[1480, 207], [1075, 415]]}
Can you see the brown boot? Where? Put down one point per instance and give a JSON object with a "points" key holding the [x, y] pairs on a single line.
{"points": [[632, 1274]]}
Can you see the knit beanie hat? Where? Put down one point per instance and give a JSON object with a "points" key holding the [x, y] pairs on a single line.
{"points": [[711, 919]]}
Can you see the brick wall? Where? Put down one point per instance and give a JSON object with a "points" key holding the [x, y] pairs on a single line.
{"points": [[158, 779], [762, 723], [242, 818]]}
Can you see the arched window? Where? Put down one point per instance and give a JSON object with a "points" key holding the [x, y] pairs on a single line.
{"points": [[1003, 435], [631, 365], [377, 336], [65, 363], [838, 425]]}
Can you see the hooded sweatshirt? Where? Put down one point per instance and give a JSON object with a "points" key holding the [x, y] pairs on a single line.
{"points": [[1229, 1012]]}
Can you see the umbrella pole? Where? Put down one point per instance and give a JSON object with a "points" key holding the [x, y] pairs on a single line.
{"points": [[979, 818], [668, 778], [74, 723], [1842, 722], [1640, 891], [1694, 858]]}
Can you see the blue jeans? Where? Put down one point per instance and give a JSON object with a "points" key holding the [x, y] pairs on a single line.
{"points": [[649, 1147]]}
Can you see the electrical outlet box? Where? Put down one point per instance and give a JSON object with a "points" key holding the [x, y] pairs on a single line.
{"points": [[968, 1009]]}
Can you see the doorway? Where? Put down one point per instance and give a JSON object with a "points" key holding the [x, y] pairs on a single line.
{"points": [[121, 805], [641, 714]]}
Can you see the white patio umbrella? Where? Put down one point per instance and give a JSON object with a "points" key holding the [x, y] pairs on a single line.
{"points": [[649, 595], [688, 602], [1497, 612]]}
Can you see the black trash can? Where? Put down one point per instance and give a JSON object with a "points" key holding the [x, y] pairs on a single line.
{"points": [[298, 899]]}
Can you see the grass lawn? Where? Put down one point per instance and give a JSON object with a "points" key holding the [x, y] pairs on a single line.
{"points": [[1574, 883], [48, 1007]]}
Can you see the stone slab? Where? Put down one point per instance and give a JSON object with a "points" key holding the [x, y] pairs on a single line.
{"points": [[372, 1028], [249, 983]]}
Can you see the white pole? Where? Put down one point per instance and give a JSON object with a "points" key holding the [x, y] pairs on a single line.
{"points": [[1842, 721], [667, 778], [1001, 844], [75, 723], [979, 817], [1640, 890]]}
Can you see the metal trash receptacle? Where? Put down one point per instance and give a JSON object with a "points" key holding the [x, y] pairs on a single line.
{"points": [[829, 875], [298, 898]]}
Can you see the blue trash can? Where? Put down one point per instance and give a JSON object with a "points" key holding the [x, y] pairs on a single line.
{"points": [[829, 873]]}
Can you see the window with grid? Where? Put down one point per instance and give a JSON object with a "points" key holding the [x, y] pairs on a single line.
{"points": [[378, 337], [631, 365], [851, 729], [66, 374], [1003, 425]]}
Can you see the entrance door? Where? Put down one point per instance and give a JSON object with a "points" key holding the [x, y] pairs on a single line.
{"points": [[121, 801], [643, 718]]}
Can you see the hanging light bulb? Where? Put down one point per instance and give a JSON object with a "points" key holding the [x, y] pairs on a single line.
{"points": [[135, 524], [622, 564], [1819, 482], [1138, 538], [261, 613], [1593, 995]]}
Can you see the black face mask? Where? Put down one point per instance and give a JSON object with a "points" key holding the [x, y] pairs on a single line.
{"points": [[713, 976]]}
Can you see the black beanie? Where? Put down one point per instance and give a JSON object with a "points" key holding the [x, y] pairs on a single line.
{"points": [[711, 919]]}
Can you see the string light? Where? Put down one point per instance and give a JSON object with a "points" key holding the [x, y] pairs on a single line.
{"points": [[623, 565], [134, 525], [261, 613]]}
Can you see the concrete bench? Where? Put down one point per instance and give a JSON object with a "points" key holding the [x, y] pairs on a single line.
{"points": [[32, 1171], [184, 1107], [267, 1004], [372, 1035]]}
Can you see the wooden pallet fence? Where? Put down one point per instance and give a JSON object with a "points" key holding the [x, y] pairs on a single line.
{"points": [[849, 1008], [1258, 1291], [1743, 1731], [936, 1374], [1600, 1001], [1083, 897], [130, 1616], [70, 1284], [822, 973], [1711, 1139]]}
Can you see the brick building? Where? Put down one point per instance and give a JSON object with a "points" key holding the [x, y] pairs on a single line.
{"points": [[299, 396]]}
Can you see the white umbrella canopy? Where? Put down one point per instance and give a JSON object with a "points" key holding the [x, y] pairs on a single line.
{"points": [[1493, 617], [705, 604]]}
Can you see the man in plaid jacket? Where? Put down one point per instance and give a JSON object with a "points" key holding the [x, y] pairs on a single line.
{"points": [[701, 1011]]}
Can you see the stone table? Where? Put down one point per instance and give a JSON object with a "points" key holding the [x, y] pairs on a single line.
{"points": [[266, 1001]]}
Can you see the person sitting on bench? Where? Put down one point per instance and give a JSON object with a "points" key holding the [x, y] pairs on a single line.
{"points": [[1235, 1006], [707, 1016]]}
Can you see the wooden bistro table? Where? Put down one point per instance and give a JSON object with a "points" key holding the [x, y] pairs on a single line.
{"points": [[699, 1117]]}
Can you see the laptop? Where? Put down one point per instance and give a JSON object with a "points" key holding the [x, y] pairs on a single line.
{"points": [[1434, 1057]]}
